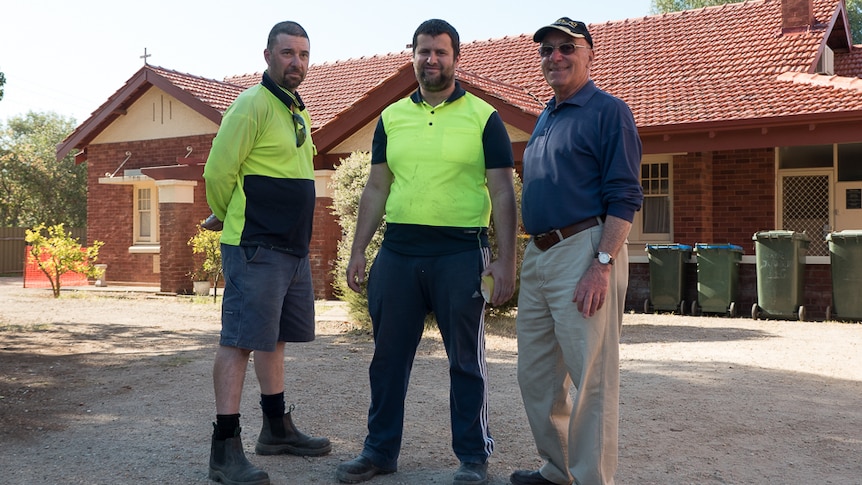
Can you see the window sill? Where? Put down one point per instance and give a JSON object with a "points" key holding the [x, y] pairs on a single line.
{"points": [[145, 249]]}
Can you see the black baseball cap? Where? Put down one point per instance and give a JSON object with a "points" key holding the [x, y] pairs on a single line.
{"points": [[567, 26]]}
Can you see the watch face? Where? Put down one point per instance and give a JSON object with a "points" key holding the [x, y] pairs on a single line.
{"points": [[604, 258]]}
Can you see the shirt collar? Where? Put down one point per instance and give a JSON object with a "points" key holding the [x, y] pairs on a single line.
{"points": [[416, 97], [580, 98]]}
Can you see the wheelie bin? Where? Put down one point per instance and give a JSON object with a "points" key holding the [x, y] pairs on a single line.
{"points": [[717, 278], [666, 277], [845, 257], [780, 257]]}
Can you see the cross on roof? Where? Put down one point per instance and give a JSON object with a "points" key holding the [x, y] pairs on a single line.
{"points": [[144, 57]]}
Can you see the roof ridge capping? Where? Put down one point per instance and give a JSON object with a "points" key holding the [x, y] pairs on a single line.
{"points": [[186, 74], [822, 80], [468, 77]]}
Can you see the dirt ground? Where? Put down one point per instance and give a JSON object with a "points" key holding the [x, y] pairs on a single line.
{"points": [[115, 388]]}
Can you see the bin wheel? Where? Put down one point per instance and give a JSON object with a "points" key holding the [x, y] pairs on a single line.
{"points": [[682, 307], [829, 313], [755, 312], [731, 310], [646, 305], [694, 309], [800, 314]]}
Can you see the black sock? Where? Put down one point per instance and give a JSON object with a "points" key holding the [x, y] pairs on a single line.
{"points": [[272, 404], [226, 426]]}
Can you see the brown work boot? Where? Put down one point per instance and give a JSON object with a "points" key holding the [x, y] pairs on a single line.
{"points": [[279, 435], [229, 465]]}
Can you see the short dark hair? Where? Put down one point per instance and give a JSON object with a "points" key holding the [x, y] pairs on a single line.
{"points": [[288, 27], [435, 27]]}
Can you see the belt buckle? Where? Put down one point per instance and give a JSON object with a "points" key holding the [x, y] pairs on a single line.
{"points": [[549, 237]]}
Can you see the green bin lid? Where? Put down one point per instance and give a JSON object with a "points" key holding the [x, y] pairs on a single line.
{"points": [[846, 234], [777, 234]]}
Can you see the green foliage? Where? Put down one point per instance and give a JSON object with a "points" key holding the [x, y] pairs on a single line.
{"points": [[56, 252], [347, 184], [854, 17], [666, 6], [208, 265], [34, 186], [2, 83]]}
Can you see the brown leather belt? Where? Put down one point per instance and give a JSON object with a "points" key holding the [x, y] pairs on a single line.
{"points": [[546, 241]]}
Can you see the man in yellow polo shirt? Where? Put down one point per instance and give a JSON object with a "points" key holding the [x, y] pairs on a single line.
{"points": [[260, 182], [441, 166]]}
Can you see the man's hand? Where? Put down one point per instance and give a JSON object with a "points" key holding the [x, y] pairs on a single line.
{"points": [[592, 289], [356, 272], [504, 281]]}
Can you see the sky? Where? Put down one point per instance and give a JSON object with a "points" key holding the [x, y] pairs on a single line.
{"points": [[70, 56]]}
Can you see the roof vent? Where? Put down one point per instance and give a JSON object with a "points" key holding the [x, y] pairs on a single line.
{"points": [[796, 15]]}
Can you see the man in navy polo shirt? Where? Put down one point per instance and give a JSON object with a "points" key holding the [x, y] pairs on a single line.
{"points": [[581, 192]]}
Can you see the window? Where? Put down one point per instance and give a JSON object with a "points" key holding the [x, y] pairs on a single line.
{"points": [[146, 216], [655, 179], [850, 162], [652, 223]]}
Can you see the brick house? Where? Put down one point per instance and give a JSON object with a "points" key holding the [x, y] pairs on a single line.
{"points": [[750, 116]]}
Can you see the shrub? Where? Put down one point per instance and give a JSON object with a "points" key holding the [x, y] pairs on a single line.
{"points": [[206, 244]]}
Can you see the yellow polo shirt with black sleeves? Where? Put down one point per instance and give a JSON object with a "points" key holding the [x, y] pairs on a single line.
{"points": [[439, 202], [257, 180]]}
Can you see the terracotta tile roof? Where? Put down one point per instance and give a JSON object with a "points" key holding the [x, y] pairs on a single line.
{"points": [[217, 94], [711, 76], [729, 63], [849, 63], [516, 96]]}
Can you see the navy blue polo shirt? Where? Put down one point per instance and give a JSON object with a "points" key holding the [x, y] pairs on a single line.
{"points": [[582, 160]]}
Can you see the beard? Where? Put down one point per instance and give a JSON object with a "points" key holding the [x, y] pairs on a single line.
{"points": [[289, 79], [438, 81]]}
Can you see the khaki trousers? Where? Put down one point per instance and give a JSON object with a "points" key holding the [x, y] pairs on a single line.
{"points": [[559, 350]]}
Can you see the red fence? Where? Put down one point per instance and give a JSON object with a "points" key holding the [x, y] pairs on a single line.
{"points": [[36, 278]]}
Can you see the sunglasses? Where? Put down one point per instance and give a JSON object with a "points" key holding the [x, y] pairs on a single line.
{"points": [[299, 127], [565, 49]]}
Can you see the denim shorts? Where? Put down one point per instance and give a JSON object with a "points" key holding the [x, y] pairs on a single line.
{"points": [[268, 298]]}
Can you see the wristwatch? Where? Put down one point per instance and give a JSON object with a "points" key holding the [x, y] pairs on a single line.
{"points": [[605, 258]]}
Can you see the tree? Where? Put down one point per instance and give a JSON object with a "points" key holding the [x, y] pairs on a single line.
{"points": [[56, 252], [34, 186], [854, 11], [2, 83], [854, 17], [207, 244]]}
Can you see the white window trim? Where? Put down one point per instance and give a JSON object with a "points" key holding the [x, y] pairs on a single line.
{"points": [[638, 238]]}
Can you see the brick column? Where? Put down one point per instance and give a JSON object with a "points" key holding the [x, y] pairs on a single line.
{"points": [[323, 250], [177, 224]]}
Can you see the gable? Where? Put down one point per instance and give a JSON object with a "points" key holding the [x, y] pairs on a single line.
{"points": [[155, 115]]}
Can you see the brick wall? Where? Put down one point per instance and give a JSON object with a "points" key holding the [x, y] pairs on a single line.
{"points": [[109, 206], [324, 248], [723, 197], [109, 209]]}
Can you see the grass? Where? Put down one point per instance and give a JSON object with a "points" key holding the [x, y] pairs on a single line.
{"points": [[18, 328]]}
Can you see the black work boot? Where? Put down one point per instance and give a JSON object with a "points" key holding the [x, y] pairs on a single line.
{"points": [[279, 435], [229, 465]]}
